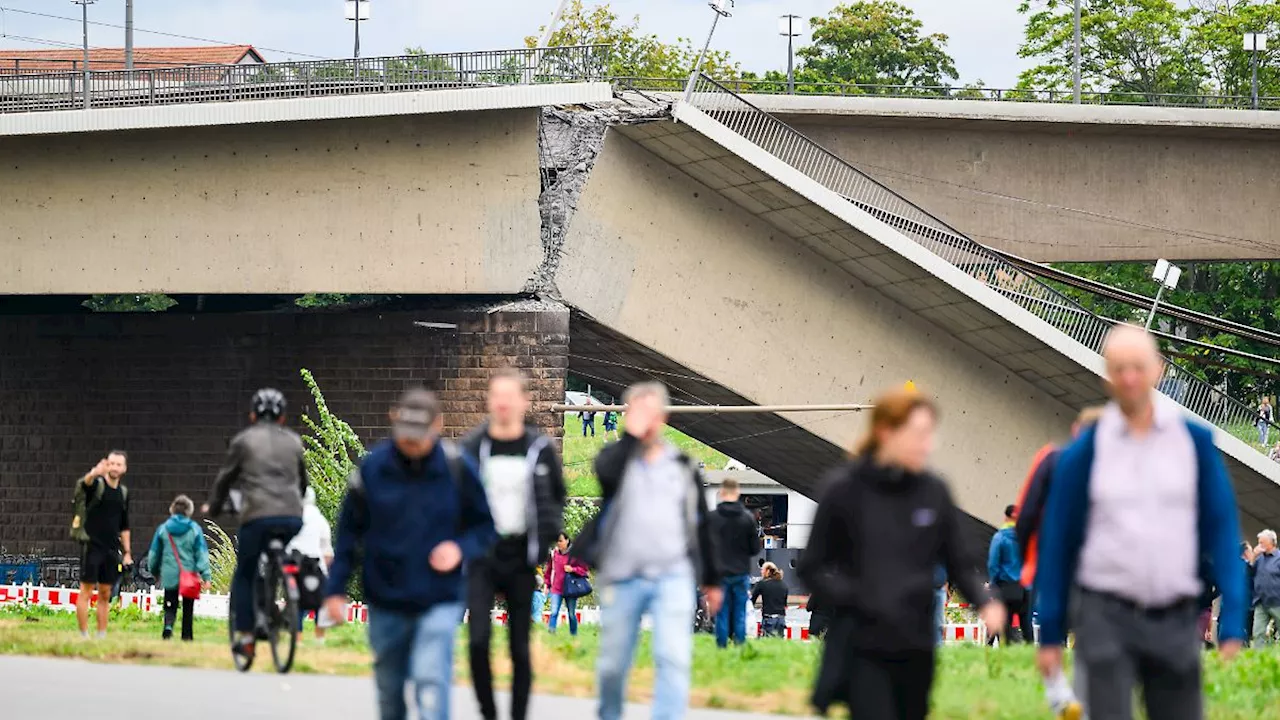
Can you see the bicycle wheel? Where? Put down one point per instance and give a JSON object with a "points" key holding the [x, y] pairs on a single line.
{"points": [[282, 625], [242, 662]]}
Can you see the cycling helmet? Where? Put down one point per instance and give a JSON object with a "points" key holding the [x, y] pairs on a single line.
{"points": [[268, 404]]}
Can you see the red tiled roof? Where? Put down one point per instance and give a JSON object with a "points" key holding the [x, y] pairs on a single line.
{"points": [[113, 58]]}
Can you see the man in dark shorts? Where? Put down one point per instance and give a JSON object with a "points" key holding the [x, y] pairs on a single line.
{"points": [[106, 553]]}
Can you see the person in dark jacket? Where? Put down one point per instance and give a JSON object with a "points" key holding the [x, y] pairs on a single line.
{"points": [[772, 593], [524, 485], [819, 615], [651, 547], [415, 512], [737, 543], [883, 524], [178, 545], [1004, 570]]}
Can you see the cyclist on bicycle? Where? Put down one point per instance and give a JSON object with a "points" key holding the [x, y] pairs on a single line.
{"points": [[265, 465]]}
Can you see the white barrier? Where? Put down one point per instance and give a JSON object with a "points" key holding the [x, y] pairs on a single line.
{"points": [[215, 606]]}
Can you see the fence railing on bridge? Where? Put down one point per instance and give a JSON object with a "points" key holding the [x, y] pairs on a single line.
{"points": [[40, 91], [1058, 310], [941, 92]]}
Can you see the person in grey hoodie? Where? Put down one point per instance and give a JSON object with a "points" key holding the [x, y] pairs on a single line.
{"points": [[178, 545]]}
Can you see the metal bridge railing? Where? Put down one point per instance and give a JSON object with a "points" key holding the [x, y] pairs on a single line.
{"points": [[794, 148], [30, 92], [774, 87]]}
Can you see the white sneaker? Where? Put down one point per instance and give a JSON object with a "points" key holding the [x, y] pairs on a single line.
{"points": [[1061, 699]]}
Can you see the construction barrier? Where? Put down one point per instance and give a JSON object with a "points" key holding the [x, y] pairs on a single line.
{"points": [[215, 606]]}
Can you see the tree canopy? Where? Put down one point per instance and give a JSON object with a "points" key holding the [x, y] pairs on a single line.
{"points": [[877, 42], [1149, 47], [634, 53]]}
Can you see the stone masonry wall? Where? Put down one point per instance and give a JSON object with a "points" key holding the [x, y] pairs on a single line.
{"points": [[172, 390]]}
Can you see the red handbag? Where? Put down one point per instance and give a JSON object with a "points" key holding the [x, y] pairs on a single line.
{"points": [[188, 580]]}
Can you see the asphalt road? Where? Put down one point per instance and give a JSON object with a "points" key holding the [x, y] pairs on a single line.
{"points": [[40, 688]]}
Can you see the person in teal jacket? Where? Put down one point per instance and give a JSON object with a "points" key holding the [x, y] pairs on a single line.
{"points": [[194, 553]]}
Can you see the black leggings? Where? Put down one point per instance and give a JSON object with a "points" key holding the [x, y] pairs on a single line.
{"points": [[891, 687], [171, 600], [484, 582]]}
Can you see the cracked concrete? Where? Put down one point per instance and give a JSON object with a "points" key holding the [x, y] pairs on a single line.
{"points": [[569, 141]]}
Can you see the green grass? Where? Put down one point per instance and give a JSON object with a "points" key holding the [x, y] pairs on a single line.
{"points": [[765, 676], [579, 452]]}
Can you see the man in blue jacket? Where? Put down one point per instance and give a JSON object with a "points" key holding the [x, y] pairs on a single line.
{"points": [[1004, 570], [415, 511], [1139, 507]]}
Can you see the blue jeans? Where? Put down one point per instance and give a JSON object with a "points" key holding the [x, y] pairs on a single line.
{"points": [[671, 602], [733, 611], [571, 609], [539, 604], [251, 541], [1264, 432], [939, 613], [417, 648]]}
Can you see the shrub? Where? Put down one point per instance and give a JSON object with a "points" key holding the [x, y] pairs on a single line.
{"points": [[331, 451], [222, 558]]}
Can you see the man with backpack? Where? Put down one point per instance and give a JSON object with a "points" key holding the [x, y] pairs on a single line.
{"points": [[101, 525], [415, 512], [524, 486]]}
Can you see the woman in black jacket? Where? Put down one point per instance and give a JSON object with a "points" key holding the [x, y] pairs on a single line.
{"points": [[773, 593], [883, 524]]}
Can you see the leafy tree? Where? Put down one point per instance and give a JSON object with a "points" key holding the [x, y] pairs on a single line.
{"points": [[877, 42], [1218, 27], [633, 53], [149, 302], [331, 450], [1141, 47]]}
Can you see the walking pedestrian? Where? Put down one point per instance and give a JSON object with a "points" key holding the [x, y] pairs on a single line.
{"points": [[611, 425], [415, 511], [651, 553], [559, 566], [314, 541], [884, 523], [737, 544], [178, 546], [1004, 569], [101, 524], [772, 592], [1266, 416], [1266, 587], [1246, 563], [523, 481], [588, 418], [1143, 466], [819, 615], [539, 596]]}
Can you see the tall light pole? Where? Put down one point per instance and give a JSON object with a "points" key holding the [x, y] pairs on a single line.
{"points": [[719, 7], [1167, 275], [84, 31], [1256, 44], [788, 26], [1076, 62], [357, 11]]}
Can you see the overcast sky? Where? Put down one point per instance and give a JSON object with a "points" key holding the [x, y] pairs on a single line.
{"points": [[984, 33]]}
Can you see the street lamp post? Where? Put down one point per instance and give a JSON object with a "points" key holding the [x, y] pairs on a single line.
{"points": [[1255, 44], [719, 7], [787, 26], [1167, 274], [84, 31]]}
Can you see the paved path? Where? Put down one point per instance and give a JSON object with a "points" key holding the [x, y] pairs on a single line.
{"points": [[38, 688]]}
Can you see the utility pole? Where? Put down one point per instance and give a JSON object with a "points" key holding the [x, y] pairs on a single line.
{"points": [[1076, 63], [84, 22], [787, 26], [128, 34]]}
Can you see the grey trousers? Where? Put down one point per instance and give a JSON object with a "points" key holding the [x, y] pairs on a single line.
{"points": [[1120, 646]]}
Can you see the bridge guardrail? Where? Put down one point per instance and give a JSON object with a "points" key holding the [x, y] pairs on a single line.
{"points": [[1060, 97], [819, 164], [33, 92]]}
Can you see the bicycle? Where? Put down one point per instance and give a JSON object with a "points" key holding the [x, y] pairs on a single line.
{"points": [[275, 604]]}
